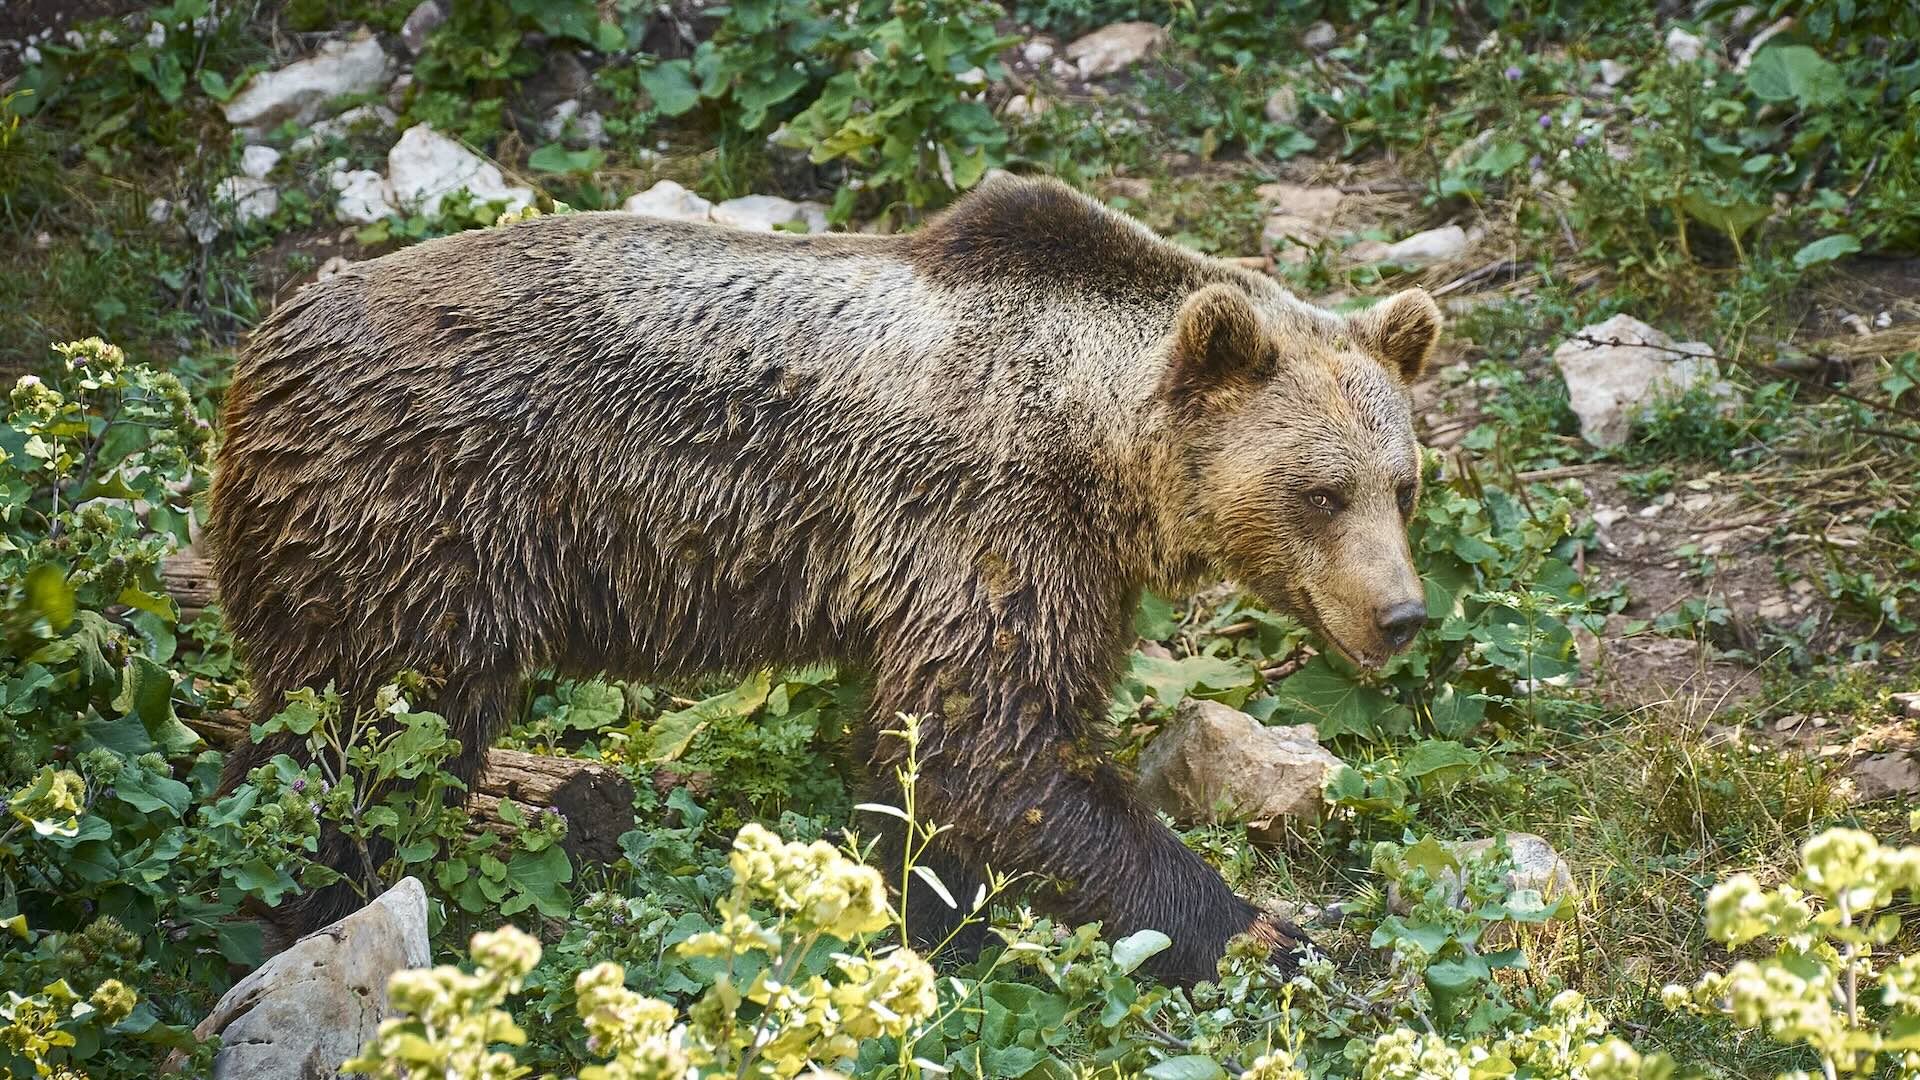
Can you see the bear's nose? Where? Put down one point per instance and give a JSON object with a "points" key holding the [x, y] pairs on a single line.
{"points": [[1400, 622]]}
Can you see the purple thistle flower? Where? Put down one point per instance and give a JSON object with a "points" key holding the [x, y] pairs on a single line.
{"points": [[1533, 162], [1514, 73], [299, 784], [618, 920], [109, 792], [315, 807], [1546, 121], [1580, 140]]}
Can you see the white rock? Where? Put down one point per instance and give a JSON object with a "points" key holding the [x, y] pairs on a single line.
{"points": [[1609, 385], [1283, 106], [424, 167], [257, 161], [666, 199], [1115, 48], [1433, 245], [160, 211], [1215, 763], [1907, 703], [760, 213], [1320, 37], [250, 198], [1027, 104], [1613, 72], [566, 122], [1684, 47], [1037, 52], [302, 90], [361, 117], [363, 197], [1536, 866], [313, 1006], [425, 18], [973, 76]]}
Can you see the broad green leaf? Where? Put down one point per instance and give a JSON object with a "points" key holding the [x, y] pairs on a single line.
{"points": [[1156, 619], [670, 84], [1336, 705], [1795, 73], [1439, 764], [1211, 677], [556, 158], [540, 877], [674, 731], [1134, 949], [49, 594], [1826, 249], [1186, 1067]]}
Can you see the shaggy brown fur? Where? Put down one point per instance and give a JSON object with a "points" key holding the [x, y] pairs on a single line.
{"points": [[598, 442]]}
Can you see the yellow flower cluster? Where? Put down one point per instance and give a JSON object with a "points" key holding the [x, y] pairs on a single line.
{"points": [[450, 1019], [639, 1032], [814, 886], [52, 803], [1274, 1065], [1827, 923], [1562, 1047]]}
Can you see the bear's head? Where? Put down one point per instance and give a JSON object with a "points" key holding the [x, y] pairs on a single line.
{"points": [[1299, 465]]}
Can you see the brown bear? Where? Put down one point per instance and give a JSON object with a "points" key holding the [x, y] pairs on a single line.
{"points": [[952, 459]]}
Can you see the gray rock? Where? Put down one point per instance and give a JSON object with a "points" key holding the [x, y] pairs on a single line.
{"points": [[1684, 47], [566, 122], [257, 161], [303, 90], [250, 198], [1536, 866], [1432, 245], [1215, 763], [761, 213], [1613, 72], [424, 167], [666, 199], [1283, 106], [1113, 49], [313, 1006], [1880, 776], [1320, 37], [1610, 385], [362, 197], [425, 18], [359, 118]]}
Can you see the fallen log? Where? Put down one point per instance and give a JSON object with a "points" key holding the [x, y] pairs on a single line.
{"points": [[596, 800]]}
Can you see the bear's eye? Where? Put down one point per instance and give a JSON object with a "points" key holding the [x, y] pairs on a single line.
{"points": [[1325, 500], [1406, 499]]}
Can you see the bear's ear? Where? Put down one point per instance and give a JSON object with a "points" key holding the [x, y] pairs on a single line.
{"points": [[1218, 346], [1399, 332]]}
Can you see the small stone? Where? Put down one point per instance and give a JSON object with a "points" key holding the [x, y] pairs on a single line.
{"points": [[1684, 47], [425, 18], [763, 213], [1283, 106], [1694, 504], [358, 118], [1880, 776], [667, 199], [43, 240], [257, 161], [159, 211], [1320, 37], [1907, 704], [1037, 52], [1607, 516], [1775, 609], [973, 76], [1433, 245], [362, 198], [1214, 763], [313, 1006], [1536, 866], [1613, 72], [1113, 49], [1789, 721], [424, 167], [398, 90], [566, 122], [1027, 104], [303, 90], [1609, 385], [249, 198], [1801, 587]]}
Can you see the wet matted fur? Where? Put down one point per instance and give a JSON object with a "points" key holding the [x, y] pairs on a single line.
{"points": [[952, 459]]}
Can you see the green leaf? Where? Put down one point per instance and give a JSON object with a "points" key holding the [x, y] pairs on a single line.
{"points": [[1451, 982], [1133, 950], [670, 84], [539, 876], [1156, 619], [1186, 1067], [555, 158], [674, 731], [1795, 73], [1439, 764], [1326, 697], [146, 691], [1826, 249], [1210, 677], [49, 594]]}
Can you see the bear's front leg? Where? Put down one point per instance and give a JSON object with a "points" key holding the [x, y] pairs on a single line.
{"points": [[1023, 793]]}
